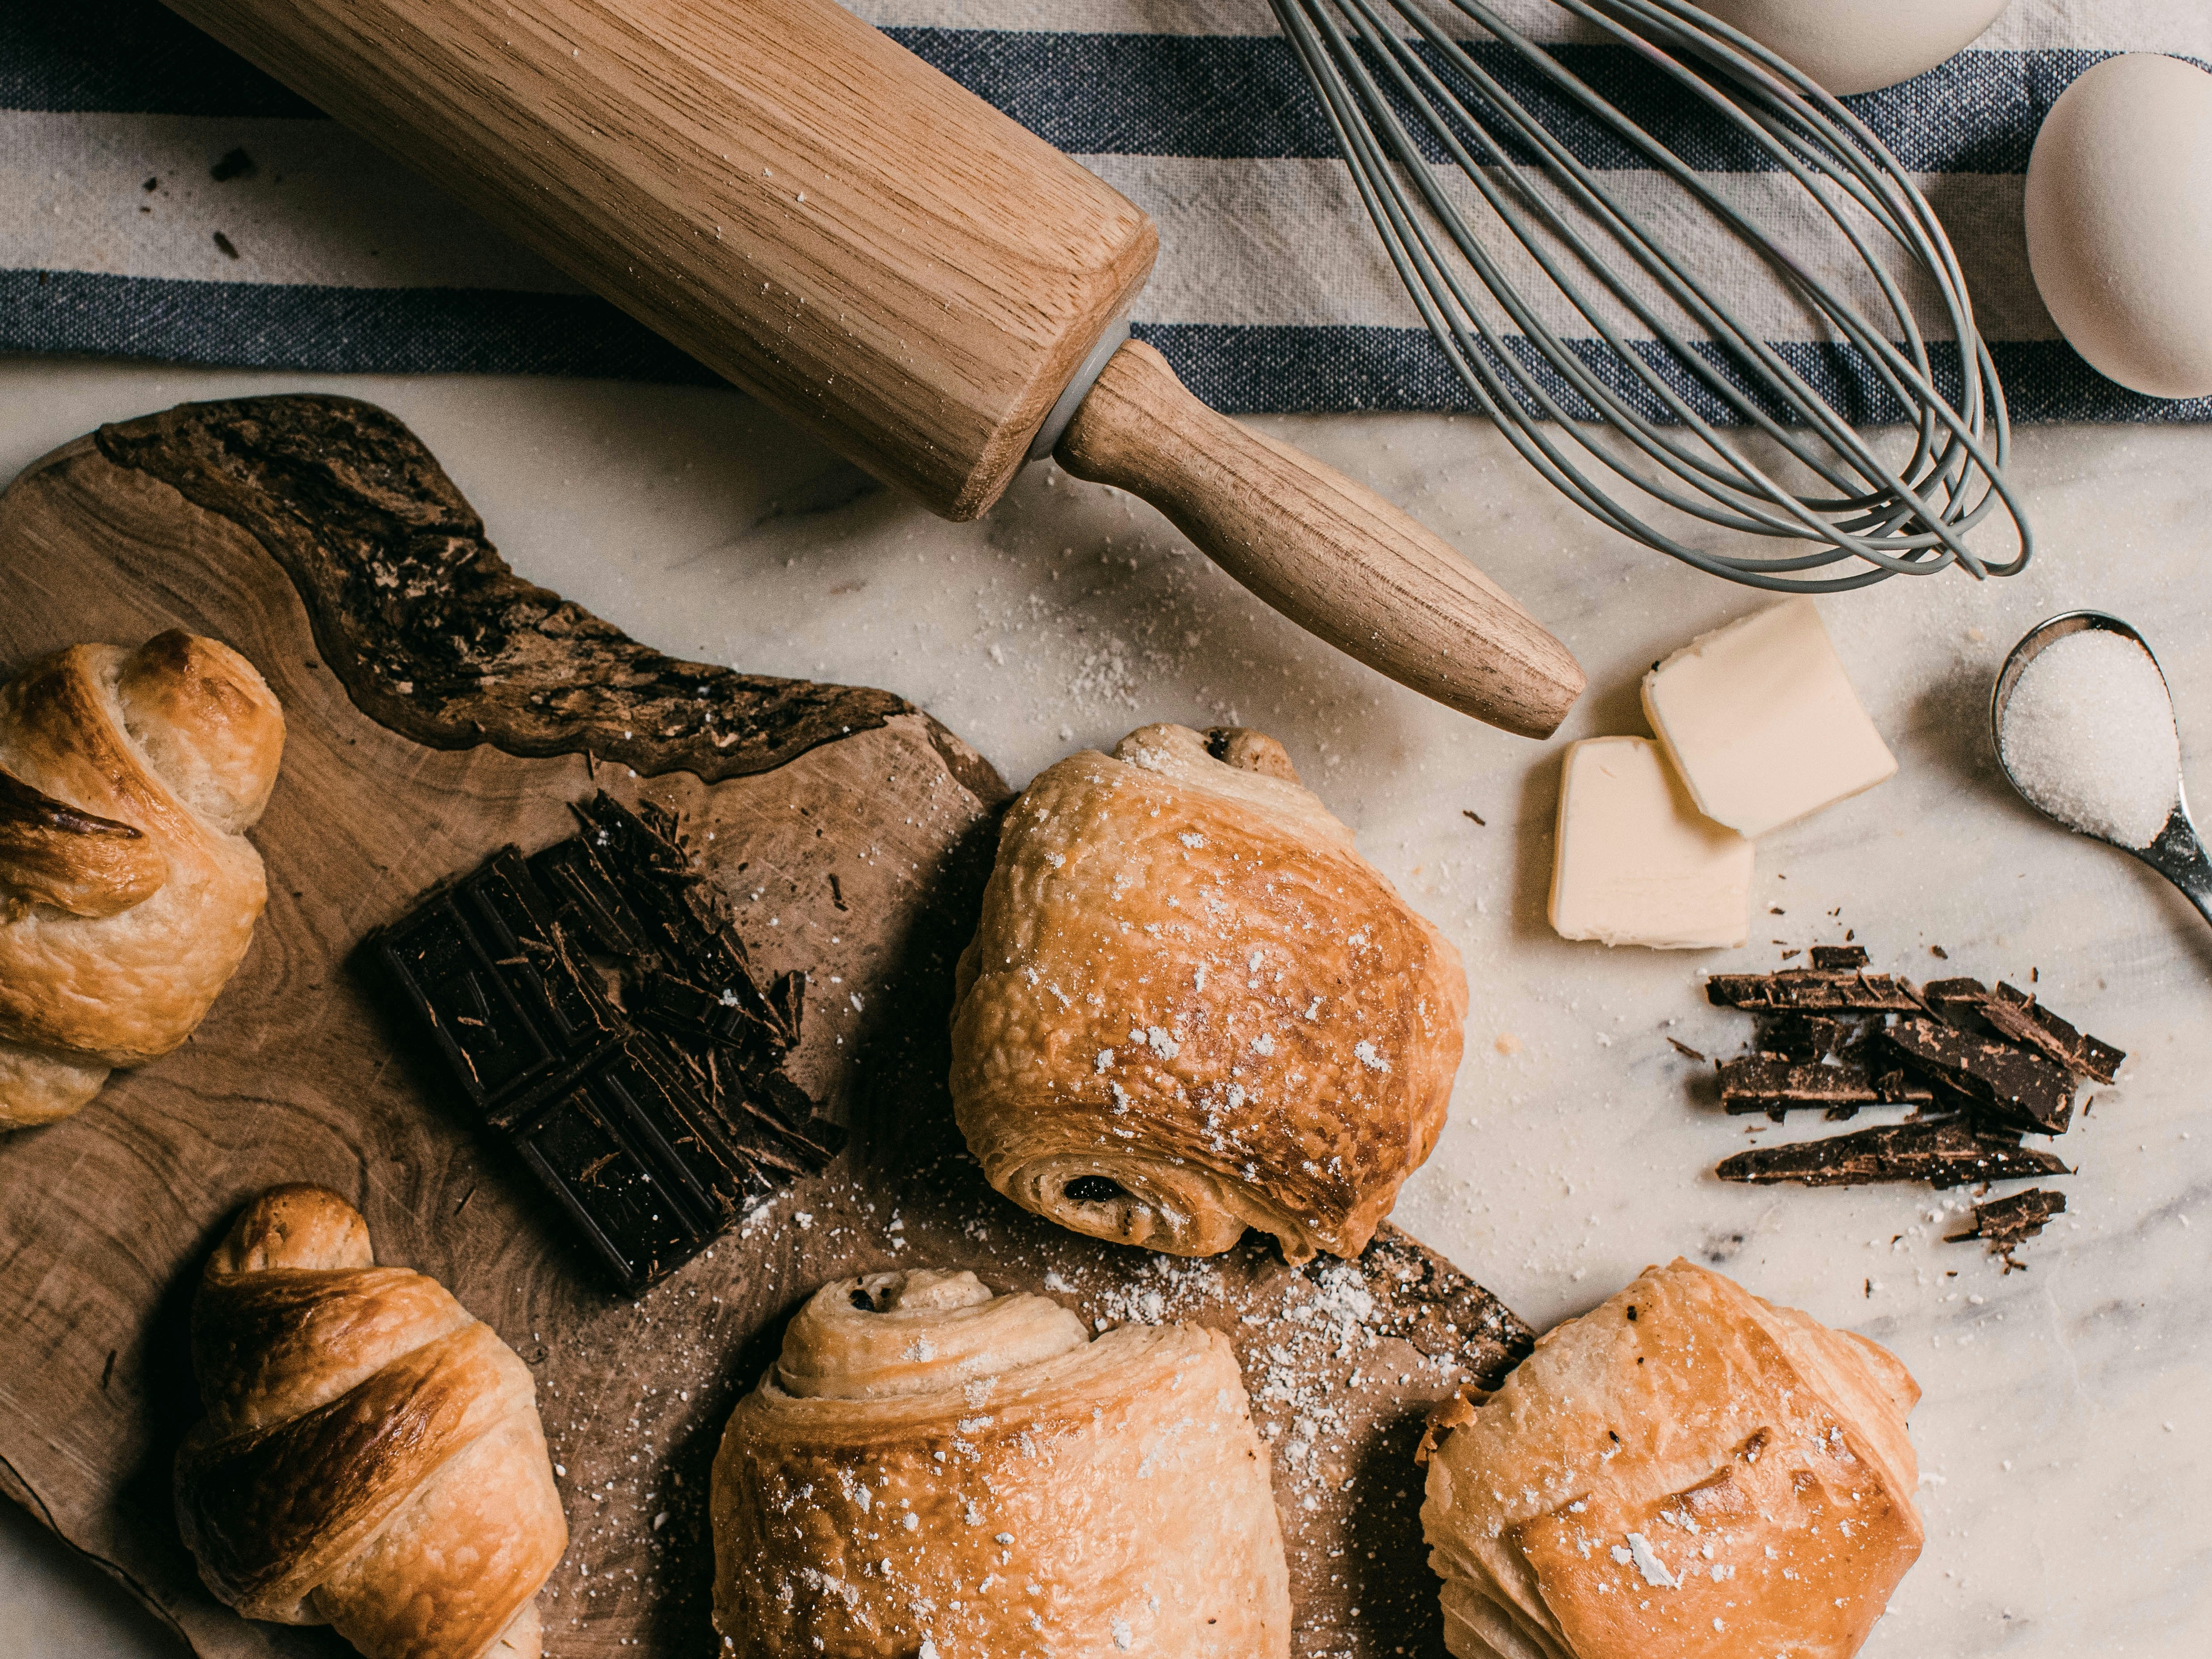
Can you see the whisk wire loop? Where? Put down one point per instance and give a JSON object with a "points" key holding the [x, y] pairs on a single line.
{"points": [[1650, 412]]}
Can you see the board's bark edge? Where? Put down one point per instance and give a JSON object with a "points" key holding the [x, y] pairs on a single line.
{"points": [[434, 636]]}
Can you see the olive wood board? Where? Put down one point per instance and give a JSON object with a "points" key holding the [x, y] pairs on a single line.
{"points": [[440, 706]]}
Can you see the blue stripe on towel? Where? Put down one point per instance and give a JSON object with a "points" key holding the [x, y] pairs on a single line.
{"points": [[434, 331], [1125, 94], [127, 55], [334, 330], [1201, 96]]}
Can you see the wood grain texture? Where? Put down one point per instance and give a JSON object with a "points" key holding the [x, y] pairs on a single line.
{"points": [[782, 191], [1329, 554], [858, 857]]}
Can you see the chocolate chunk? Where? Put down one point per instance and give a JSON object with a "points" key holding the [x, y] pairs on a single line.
{"points": [[2008, 1223], [1959, 1000], [1839, 958], [2015, 1015], [595, 1002], [1948, 1152], [1806, 1036], [1772, 1085], [2018, 1015], [2005, 1086], [1812, 990]]}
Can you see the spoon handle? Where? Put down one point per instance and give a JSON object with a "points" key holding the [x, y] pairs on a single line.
{"points": [[2179, 856]]}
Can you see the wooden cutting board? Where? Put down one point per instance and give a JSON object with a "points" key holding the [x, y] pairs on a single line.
{"points": [[440, 706]]}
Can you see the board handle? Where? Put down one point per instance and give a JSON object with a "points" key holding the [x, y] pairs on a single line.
{"points": [[1333, 557]]}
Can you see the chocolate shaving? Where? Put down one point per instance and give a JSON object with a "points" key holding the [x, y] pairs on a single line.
{"points": [[1812, 990], [1947, 1153], [2004, 1085], [2008, 1223], [594, 1002], [1839, 958]]}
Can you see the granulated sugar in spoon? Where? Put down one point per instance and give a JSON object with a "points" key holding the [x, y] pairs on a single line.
{"points": [[2084, 728]]}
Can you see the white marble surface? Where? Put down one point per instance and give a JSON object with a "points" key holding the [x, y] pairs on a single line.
{"points": [[2066, 1489]]}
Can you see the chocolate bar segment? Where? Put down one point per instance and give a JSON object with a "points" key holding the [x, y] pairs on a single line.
{"points": [[595, 1002], [1812, 990], [608, 1189], [1773, 1084], [2004, 1086], [1948, 1153]]}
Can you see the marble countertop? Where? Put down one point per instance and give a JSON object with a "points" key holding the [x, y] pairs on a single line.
{"points": [[2067, 1500]]}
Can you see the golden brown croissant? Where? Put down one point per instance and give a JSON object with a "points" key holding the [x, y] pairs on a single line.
{"points": [[1191, 1008], [372, 1456], [931, 1469], [128, 889], [1686, 1472]]}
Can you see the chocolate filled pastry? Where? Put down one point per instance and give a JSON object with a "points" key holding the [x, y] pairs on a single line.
{"points": [[932, 1469], [372, 1458], [127, 888], [1191, 1008], [1686, 1472]]}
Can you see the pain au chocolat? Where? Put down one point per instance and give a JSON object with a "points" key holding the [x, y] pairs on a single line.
{"points": [[930, 1468], [1191, 1008]]}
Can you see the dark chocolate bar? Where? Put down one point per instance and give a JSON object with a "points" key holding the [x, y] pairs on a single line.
{"points": [[1948, 1153], [594, 1002]]}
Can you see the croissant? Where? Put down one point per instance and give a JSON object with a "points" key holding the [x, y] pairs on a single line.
{"points": [[931, 1469], [1686, 1470], [1191, 1008], [127, 888], [372, 1458]]}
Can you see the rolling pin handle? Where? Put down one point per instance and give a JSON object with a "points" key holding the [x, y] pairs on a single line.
{"points": [[1332, 555]]}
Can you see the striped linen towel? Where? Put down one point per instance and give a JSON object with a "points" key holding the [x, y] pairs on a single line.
{"points": [[161, 198]]}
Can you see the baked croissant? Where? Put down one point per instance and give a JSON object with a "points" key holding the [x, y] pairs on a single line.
{"points": [[127, 888], [1191, 1008], [1686, 1470], [371, 1457], [930, 1469]]}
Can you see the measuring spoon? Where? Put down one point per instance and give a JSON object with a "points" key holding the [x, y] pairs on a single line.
{"points": [[2177, 852]]}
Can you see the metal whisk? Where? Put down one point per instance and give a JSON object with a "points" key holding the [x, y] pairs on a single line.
{"points": [[1666, 414]]}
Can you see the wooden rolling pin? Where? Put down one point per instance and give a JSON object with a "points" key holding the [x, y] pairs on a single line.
{"points": [[933, 291]]}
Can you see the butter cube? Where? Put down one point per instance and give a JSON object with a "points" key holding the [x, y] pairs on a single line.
{"points": [[1636, 863], [1761, 722]]}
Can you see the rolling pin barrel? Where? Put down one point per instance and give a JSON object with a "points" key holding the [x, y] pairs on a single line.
{"points": [[822, 218]]}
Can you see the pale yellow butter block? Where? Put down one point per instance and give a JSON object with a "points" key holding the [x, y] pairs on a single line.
{"points": [[1762, 723], [1636, 863]]}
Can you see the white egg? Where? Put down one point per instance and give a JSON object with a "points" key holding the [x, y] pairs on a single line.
{"points": [[2119, 223], [1857, 46]]}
